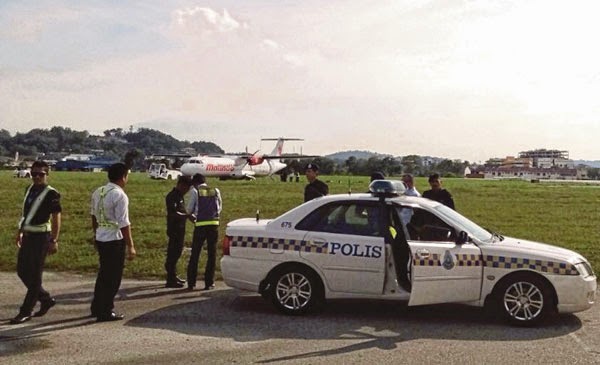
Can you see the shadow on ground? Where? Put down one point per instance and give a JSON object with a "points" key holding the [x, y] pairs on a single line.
{"points": [[375, 323]]}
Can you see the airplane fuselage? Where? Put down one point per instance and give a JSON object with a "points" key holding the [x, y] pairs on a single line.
{"points": [[225, 167]]}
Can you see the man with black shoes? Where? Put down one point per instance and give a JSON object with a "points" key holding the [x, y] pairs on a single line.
{"points": [[37, 237], [112, 233], [205, 207], [176, 219]]}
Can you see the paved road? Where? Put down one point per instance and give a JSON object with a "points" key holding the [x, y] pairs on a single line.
{"points": [[224, 327]]}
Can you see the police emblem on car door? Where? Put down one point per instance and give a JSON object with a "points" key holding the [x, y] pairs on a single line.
{"points": [[443, 269]]}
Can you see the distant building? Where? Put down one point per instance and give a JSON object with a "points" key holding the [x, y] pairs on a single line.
{"points": [[544, 158], [511, 162], [534, 165], [531, 173], [544, 153], [78, 157]]}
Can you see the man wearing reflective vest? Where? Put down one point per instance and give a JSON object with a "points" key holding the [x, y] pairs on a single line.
{"points": [[205, 207], [37, 237], [112, 233]]}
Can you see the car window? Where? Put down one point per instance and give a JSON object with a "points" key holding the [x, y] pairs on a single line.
{"points": [[356, 218], [426, 226]]}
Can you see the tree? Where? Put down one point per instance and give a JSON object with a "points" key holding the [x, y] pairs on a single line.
{"points": [[412, 164], [130, 158]]}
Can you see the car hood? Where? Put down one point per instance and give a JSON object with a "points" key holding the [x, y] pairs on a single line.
{"points": [[533, 249]]}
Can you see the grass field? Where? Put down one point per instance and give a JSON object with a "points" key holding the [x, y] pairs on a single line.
{"points": [[560, 214]]}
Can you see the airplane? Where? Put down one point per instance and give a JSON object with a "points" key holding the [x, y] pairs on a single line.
{"points": [[246, 167]]}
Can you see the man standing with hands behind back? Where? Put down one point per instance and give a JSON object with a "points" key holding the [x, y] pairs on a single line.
{"points": [[112, 231], [37, 236], [176, 219]]}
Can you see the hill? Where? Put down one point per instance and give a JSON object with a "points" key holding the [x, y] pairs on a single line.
{"points": [[344, 155], [594, 164]]}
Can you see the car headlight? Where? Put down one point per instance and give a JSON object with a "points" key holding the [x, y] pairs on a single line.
{"points": [[585, 269]]}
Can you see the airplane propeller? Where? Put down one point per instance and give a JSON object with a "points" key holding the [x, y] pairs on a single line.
{"points": [[254, 159]]}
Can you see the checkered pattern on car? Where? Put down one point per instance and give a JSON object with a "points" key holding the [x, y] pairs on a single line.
{"points": [[277, 244], [551, 267], [502, 262]]}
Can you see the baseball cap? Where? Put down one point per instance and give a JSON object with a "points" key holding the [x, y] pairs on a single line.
{"points": [[311, 166]]}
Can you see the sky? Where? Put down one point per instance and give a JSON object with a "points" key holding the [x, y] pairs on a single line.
{"points": [[459, 79]]}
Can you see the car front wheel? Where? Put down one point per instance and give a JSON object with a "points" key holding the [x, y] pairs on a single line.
{"points": [[296, 290], [524, 300]]}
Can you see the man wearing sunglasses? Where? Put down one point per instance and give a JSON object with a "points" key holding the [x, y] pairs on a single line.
{"points": [[37, 237]]}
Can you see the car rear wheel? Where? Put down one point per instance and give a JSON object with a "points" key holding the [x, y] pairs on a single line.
{"points": [[524, 300], [296, 290]]}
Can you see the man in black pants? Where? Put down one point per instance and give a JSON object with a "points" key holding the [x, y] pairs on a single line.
{"points": [[205, 207], [112, 231], [176, 218], [37, 236]]}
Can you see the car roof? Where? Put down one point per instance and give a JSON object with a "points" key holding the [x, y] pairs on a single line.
{"points": [[302, 210], [370, 197]]}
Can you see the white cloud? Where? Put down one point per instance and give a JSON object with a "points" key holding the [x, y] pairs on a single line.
{"points": [[204, 21]]}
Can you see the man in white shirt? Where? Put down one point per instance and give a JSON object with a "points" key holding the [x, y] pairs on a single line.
{"points": [[409, 183], [112, 230]]}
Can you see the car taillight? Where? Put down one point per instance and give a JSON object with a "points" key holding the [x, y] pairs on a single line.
{"points": [[226, 245]]}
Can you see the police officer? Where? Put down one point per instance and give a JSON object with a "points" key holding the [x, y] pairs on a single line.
{"points": [[205, 206], [315, 187], [176, 218], [112, 233], [37, 236]]}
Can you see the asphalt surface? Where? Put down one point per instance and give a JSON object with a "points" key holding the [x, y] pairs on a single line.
{"points": [[224, 326]]}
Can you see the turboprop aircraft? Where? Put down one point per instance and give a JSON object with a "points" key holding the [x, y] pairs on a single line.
{"points": [[241, 167]]}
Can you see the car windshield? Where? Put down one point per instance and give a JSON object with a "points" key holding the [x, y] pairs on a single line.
{"points": [[465, 224]]}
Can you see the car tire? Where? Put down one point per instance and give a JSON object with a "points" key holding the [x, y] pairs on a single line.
{"points": [[296, 290], [523, 299]]}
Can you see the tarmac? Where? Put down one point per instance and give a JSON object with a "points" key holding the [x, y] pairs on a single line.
{"points": [[225, 326]]}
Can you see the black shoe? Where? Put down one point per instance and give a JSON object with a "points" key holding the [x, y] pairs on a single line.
{"points": [[174, 285], [209, 287], [45, 307], [110, 317], [20, 318], [190, 288], [180, 280]]}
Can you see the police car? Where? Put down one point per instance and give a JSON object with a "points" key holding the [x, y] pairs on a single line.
{"points": [[386, 245]]}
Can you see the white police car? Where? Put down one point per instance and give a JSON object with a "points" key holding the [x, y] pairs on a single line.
{"points": [[390, 246]]}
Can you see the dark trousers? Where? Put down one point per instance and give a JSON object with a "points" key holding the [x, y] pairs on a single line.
{"points": [[110, 272], [174, 250], [30, 267], [210, 234]]}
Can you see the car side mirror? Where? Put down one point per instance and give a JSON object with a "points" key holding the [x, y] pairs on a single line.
{"points": [[462, 238]]}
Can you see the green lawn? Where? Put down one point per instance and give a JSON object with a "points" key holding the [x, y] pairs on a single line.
{"points": [[560, 214]]}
